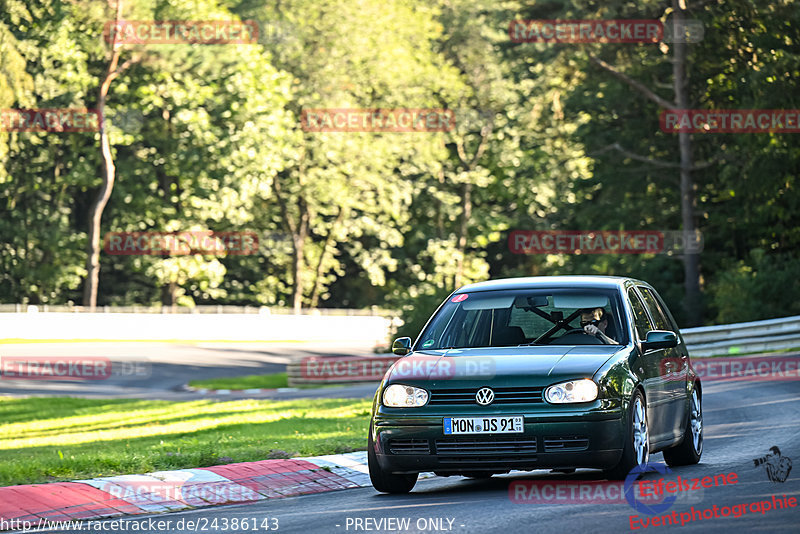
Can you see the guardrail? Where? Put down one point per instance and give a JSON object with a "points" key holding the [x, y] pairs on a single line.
{"points": [[742, 338], [728, 339]]}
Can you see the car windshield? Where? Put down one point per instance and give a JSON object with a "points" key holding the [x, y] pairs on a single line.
{"points": [[518, 317]]}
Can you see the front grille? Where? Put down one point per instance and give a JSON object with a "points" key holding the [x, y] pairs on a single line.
{"points": [[502, 395], [486, 448], [503, 452], [566, 443], [409, 446]]}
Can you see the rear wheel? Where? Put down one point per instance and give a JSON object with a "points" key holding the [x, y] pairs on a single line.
{"points": [[384, 481], [689, 450], [636, 451]]}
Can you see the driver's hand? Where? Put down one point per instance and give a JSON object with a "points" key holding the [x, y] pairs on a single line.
{"points": [[591, 329]]}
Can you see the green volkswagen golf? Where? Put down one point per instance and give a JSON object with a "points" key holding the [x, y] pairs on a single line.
{"points": [[537, 373]]}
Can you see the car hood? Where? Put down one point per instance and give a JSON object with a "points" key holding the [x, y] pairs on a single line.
{"points": [[467, 367]]}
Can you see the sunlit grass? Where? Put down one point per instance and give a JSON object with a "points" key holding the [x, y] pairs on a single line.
{"points": [[272, 381], [65, 438]]}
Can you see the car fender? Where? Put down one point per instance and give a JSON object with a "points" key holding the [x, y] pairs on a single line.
{"points": [[619, 375]]}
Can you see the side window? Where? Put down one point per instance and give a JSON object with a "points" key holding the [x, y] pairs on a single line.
{"points": [[641, 320], [670, 319], [655, 310]]}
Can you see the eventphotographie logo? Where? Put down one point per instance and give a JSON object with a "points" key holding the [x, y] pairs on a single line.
{"points": [[777, 466]]}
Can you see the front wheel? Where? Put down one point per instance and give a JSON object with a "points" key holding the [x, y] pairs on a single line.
{"points": [[384, 481], [636, 451], [689, 450]]}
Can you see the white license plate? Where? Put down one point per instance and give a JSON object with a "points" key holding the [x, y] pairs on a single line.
{"points": [[512, 424]]}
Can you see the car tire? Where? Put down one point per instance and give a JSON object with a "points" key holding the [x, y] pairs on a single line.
{"points": [[384, 481], [690, 449], [636, 451]]}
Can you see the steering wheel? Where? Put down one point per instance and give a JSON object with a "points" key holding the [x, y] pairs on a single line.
{"points": [[582, 331], [575, 331]]}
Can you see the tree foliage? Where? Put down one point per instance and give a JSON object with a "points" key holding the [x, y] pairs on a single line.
{"points": [[211, 137]]}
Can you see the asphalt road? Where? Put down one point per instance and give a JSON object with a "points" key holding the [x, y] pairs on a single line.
{"points": [[742, 421], [160, 370]]}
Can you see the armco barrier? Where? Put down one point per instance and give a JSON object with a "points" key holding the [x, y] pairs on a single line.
{"points": [[739, 338]]}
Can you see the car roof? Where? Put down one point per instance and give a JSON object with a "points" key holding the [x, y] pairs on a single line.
{"points": [[532, 282]]}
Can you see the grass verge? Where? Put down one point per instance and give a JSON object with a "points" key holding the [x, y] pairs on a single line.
{"points": [[276, 380], [48, 439]]}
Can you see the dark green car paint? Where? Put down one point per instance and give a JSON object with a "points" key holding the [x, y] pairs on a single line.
{"points": [[617, 369]]}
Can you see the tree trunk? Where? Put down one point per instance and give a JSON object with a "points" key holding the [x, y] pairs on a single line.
{"points": [[299, 245], [108, 174], [469, 165], [169, 292], [466, 215], [691, 258], [314, 300], [299, 231]]}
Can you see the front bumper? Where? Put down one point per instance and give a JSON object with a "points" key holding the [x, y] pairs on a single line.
{"points": [[554, 441]]}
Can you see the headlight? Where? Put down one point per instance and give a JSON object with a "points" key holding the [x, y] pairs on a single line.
{"points": [[399, 396], [583, 390]]}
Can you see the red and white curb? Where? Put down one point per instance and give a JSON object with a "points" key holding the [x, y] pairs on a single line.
{"points": [[167, 491]]}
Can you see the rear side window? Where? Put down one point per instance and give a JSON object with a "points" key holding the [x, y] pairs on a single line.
{"points": [[655, 309], [640, 318]]}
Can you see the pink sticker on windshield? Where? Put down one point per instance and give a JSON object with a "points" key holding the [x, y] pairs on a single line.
{"points": [[459, 298]]}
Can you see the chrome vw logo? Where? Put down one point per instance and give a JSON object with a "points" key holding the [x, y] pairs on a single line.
{"points": [[484, 396]]}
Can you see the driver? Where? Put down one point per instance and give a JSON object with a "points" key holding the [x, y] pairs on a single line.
{"points": [[594, 322]]}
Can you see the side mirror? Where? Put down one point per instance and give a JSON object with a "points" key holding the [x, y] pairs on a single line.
{"points": [[402, 346], [660, 339]]}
